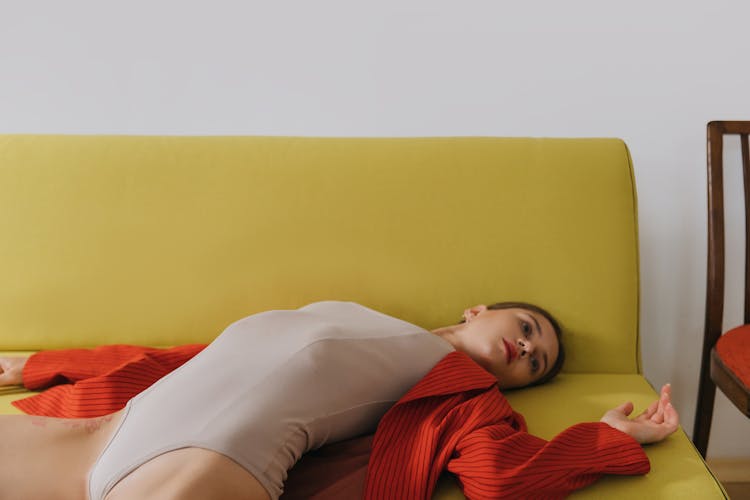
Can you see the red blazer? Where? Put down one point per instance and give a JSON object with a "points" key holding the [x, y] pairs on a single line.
{"points": [[95, 382], [454, 419]]}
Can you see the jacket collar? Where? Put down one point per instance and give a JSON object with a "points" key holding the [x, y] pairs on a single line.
{"points": [[455, 373]]}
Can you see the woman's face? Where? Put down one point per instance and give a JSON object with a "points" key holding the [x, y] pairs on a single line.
{"points": [[517, 346]]}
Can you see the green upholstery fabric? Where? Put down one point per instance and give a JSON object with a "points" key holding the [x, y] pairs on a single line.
{"points": [[677, 470], [166, 240]]}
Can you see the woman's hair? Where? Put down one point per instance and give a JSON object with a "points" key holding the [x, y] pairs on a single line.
{"points": [[557, 365]]}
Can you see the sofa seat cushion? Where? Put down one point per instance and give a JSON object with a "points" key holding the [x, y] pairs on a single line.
{"points": [[677, 470]]}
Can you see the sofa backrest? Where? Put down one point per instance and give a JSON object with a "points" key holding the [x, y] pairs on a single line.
{"points": [[167, 240]]}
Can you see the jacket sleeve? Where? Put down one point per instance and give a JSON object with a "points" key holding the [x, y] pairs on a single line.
{"points": [[47, 368], [493, 462], [480, 439], [104, 379]]}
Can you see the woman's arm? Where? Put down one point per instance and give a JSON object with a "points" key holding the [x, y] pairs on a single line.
{"points": [[481, 440], [53, 367], [104, 379], [456, 419]]}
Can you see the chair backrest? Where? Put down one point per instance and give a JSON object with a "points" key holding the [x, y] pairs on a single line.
{"points": [[717, 130], [715, 277], [165, 240]]}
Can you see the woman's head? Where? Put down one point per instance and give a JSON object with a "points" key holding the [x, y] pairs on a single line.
{"points": [[518, 343]]}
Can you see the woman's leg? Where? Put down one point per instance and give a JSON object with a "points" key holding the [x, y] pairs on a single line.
{"points": [[42, 457], [189, 474]]}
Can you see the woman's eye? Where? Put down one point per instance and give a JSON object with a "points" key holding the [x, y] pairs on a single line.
{"points": [[526, 328], [534, 365]]}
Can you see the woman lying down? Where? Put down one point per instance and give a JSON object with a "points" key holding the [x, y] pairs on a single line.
{"points": [[233, 420]]}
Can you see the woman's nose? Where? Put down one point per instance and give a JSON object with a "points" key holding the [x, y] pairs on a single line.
{"points": [[526, 346]]}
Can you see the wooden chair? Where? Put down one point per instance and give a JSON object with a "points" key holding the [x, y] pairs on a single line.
{"points": [[724, 362]]}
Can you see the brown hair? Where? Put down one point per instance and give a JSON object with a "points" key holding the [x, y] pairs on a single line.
{"points": [[557, 365]]}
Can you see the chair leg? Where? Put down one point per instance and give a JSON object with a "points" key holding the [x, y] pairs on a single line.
{"points": [[704, 411]]}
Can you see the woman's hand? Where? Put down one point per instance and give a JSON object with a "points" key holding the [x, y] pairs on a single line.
{"points": [[657, 422], [11, 369]]}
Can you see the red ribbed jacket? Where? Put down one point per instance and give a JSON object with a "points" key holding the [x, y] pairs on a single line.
{"points": [[454, 419], [95, 382]]}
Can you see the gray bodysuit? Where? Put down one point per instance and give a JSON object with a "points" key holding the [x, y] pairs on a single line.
{"points": [[271, 387]]}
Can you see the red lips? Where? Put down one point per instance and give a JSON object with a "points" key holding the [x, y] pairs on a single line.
{"points": [[510, 351]]}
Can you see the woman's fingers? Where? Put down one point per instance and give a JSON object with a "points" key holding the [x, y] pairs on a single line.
{"points": [[625, 408], [666, 393], [671, 417], [7, 378], [657, 422], [671, 423], [656, 411], [666, 418], [649, 412], [11, 370], [664, 399]]}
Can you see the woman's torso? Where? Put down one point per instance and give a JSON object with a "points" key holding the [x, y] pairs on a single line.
{"points": [[273, 386]]}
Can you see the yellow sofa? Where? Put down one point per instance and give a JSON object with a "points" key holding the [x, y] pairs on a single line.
{"points": [[167, 240]]}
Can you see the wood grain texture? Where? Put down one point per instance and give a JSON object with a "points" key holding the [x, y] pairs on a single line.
{"points": [[713, 374]]}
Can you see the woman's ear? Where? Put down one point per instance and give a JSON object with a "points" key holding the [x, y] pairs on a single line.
{"points": [[472, 312]]}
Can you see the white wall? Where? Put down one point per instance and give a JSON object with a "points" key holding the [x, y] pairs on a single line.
{"points": [[652, 73]]}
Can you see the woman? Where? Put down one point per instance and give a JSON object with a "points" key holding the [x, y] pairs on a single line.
{"points": [[229, 423]]}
